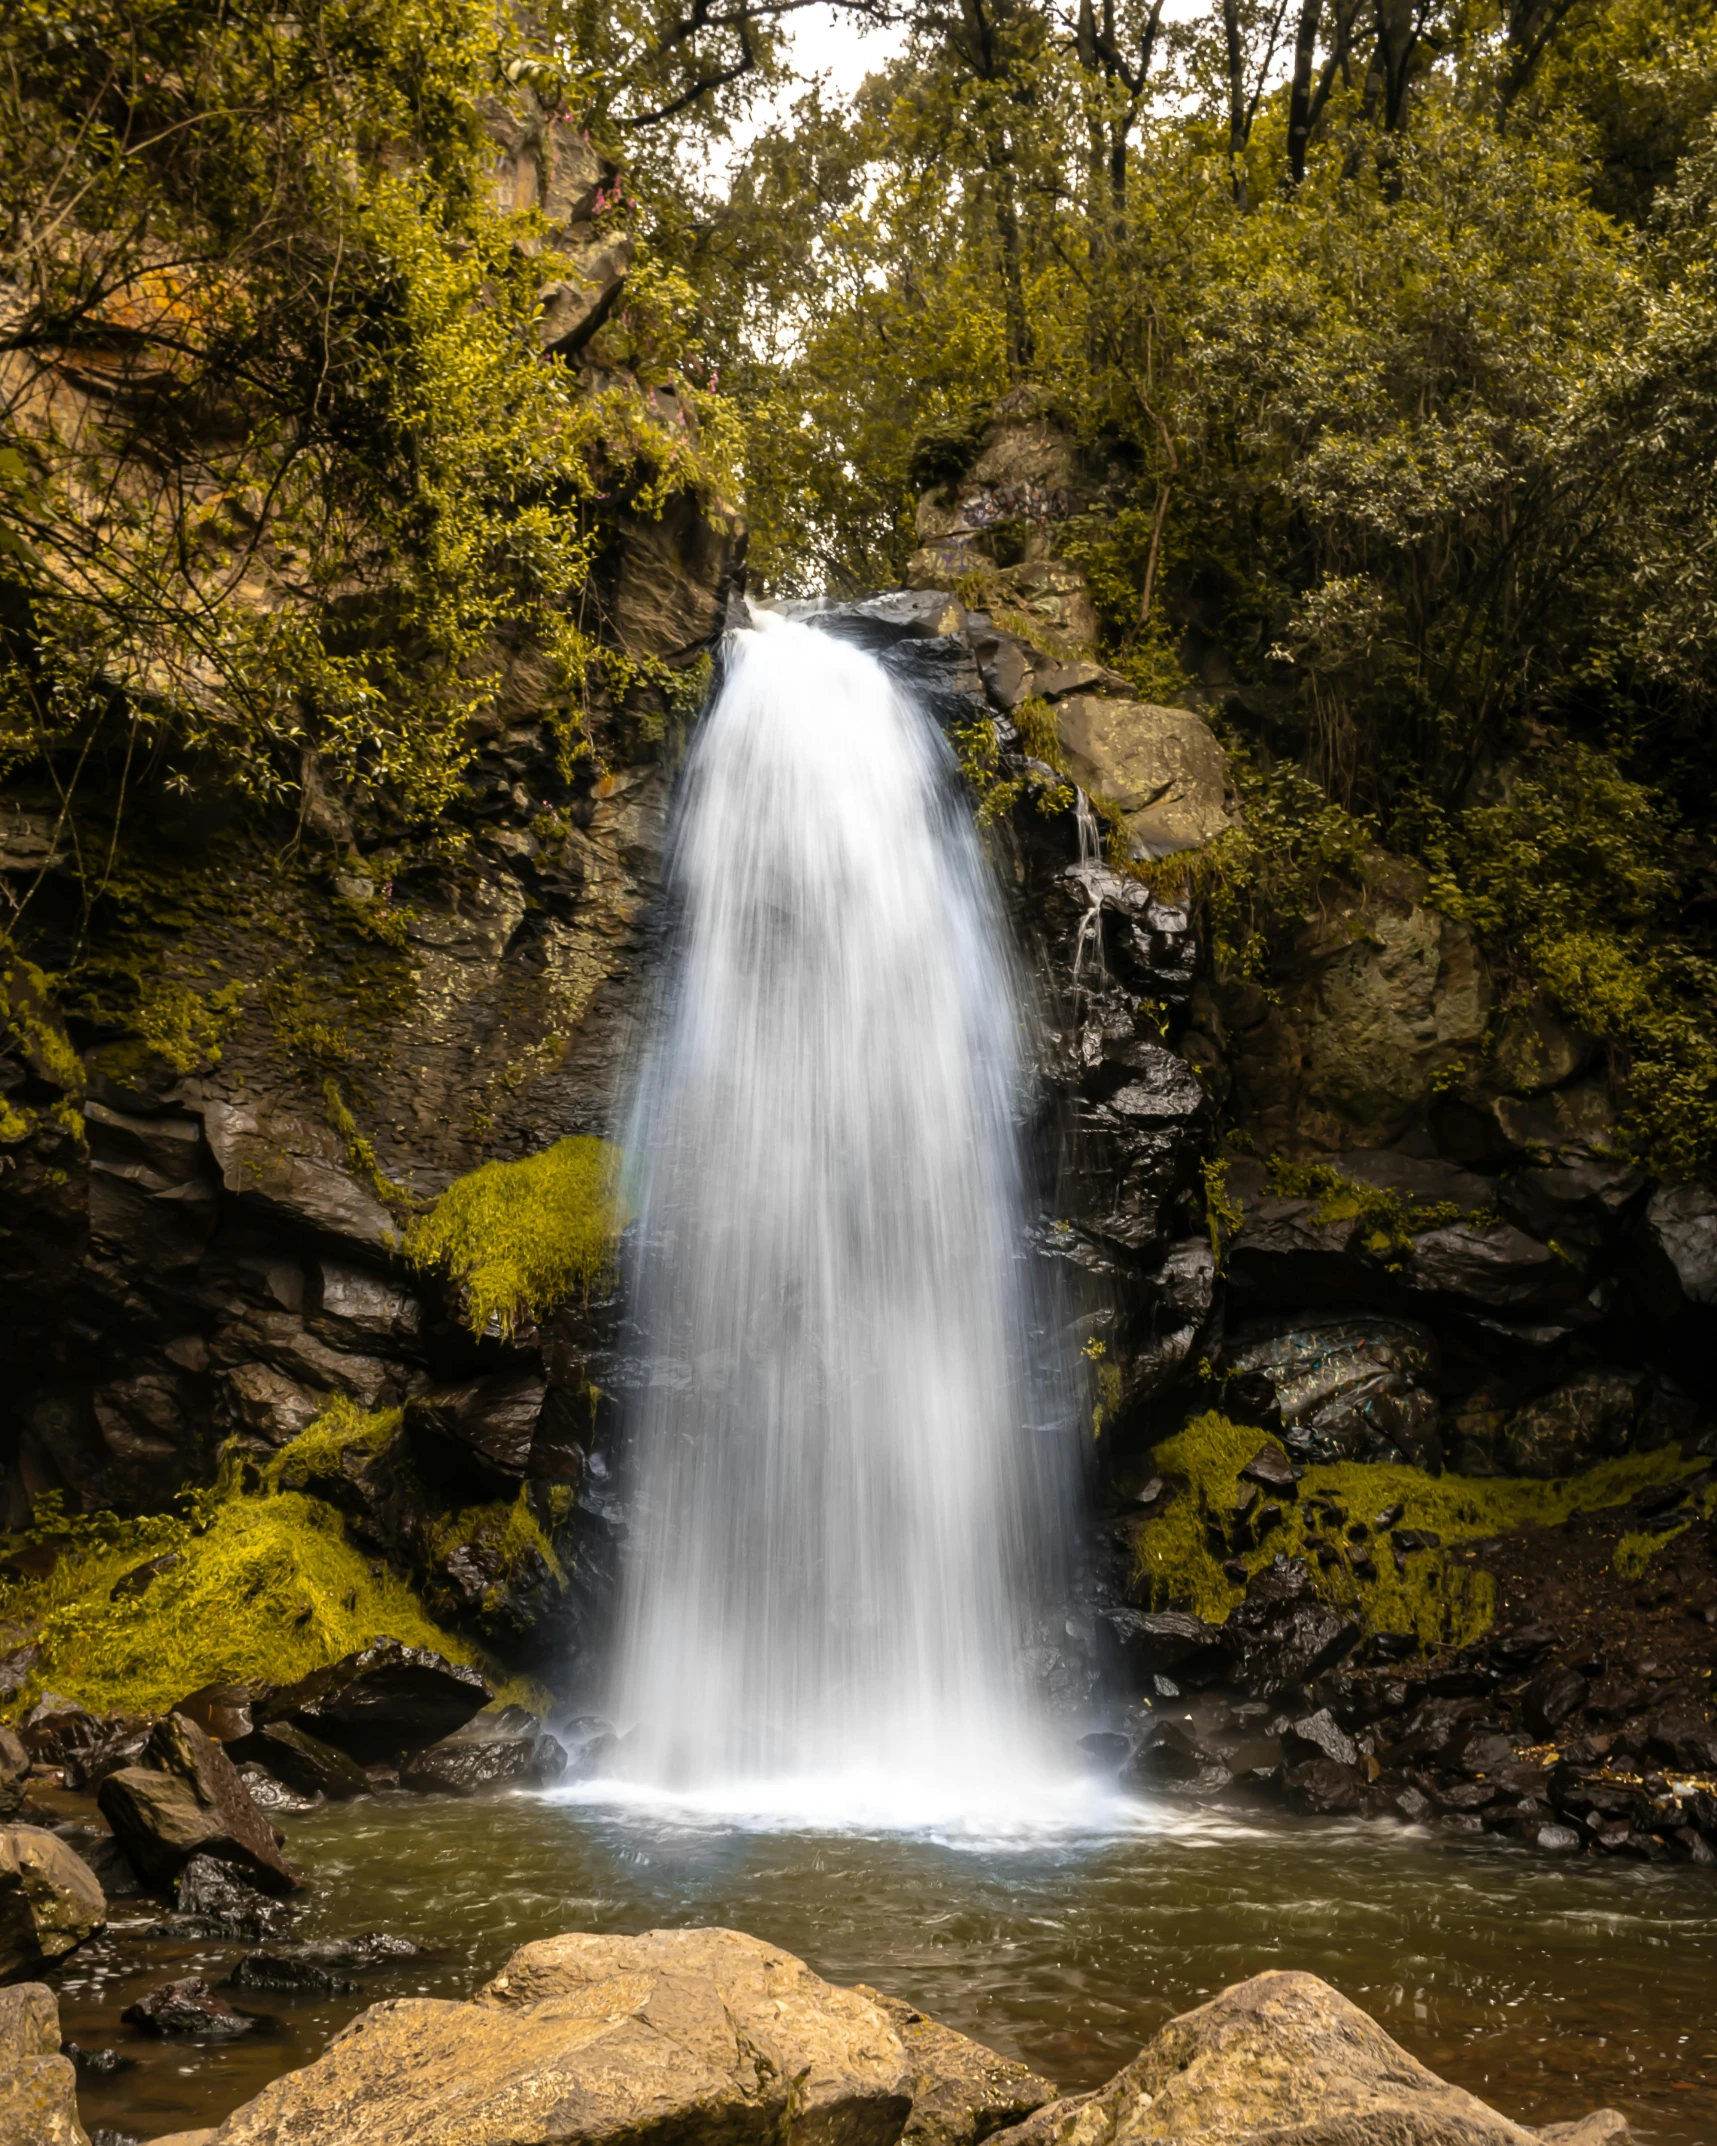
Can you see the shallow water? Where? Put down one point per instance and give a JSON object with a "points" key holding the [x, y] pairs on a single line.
{"points": [[1546, 1988]]}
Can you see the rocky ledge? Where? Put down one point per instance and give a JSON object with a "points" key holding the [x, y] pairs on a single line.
{"points": [[715, 2036]]}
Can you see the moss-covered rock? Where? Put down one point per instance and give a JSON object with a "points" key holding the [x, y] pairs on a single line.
{"points": [[1388, 1543], [265, 1587], [520, 1237]]}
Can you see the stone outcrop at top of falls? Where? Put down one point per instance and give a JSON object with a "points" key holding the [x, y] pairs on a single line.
{"points": [[582, 2040]]}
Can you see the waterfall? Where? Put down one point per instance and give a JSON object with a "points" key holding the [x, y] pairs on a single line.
{"points": [[850, 1474]]}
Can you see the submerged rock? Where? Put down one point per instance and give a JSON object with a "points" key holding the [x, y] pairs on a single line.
{"points": [[38, 2086], [187, 2006], [50, 1899], [382, 1701], [283, 1970], [672, 2036], [1280, 2058], [214, 1893]]}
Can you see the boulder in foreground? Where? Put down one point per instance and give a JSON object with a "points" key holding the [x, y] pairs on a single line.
{"points": [[675, 2035], [1281, 2060], [961, 2091], [38, 2086]]}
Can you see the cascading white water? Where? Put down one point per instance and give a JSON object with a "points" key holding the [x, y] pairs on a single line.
{"points": [[849, 1486]]}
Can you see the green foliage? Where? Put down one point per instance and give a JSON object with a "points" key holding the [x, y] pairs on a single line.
{"points": [[1573, 867], [266, 1589], [1439, 1599], [521, 1237], [336, 476]]}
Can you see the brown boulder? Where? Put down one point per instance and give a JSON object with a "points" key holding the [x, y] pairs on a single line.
{"points": [[1281, 2060], [187, 1798], [50, 1899], [961, 2091], [38, 2086], [677, 2035], [1161, 766]]}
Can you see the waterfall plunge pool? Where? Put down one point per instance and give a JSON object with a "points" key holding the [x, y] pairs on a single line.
{"points": [[1547, 1989]]}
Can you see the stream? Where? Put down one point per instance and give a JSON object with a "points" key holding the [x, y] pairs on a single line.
{"points": [[1546, 1989]]}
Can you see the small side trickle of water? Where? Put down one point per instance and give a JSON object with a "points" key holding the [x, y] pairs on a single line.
{"points": [[852, 1472]]}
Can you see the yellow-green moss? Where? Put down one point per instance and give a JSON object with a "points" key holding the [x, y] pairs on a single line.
{"points": [[267, 1588], [1439, 1598], [524, 1236], [184, 1027], [1394, 1218], [510, 1530], [318, 1449]]}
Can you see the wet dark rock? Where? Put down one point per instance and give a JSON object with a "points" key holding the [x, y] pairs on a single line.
{"points": [[1553, 1695], [1588, 1420], [119, 1741], [1105, 1750], [1166, 1642], [111, 1865], [1282, 1633], [1682, 1223], [1558, 1840], [1169, 1760], [187, 2006], [591, 1745], [1685, 1742], [303, 1762], [282, 1969], [465, 1765], [269, 1794], [492, 1420], [1317, 1736], [221, 1711], [97, 2063], [187, 1799], [382, 1701], [215, 1894], [1344, 1389], [1413, 1804], [57, 1730], [364, 1954], [1271, 1468], [1322, 1787]]}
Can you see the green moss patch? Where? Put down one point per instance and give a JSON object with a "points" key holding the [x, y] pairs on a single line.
{"points": [[522, 1237], [265, 1588], [1439, 1598]]}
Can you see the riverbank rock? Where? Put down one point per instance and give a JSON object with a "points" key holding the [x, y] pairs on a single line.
{"points": [[38, 2086], [961, 2091], [187, 1799], [381, 1702], [50, 1899], [675, 2035], [1281, 2060]]}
